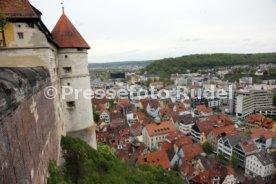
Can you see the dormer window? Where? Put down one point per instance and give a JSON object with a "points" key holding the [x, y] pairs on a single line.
{"points": [[67, 69], [20, 35]]}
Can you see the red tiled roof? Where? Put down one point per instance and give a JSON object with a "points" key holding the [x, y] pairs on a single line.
{"points": [[203, 108], [165, 112], [230, 129], [67, 36], [142, 117], [255, 117], [262, 132], [153, 103], [123, 102], [164, 127], [157, 158], [248, 146], [18, 9], [187, 169], [183, 141], [191, 150], [205, 126]]}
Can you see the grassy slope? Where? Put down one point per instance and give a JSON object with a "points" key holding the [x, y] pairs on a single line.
{"points": [[87, 166]]}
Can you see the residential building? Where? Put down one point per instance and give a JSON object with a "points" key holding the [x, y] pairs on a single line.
{"points": [[246, 80], [217, 133], [236, 145], [117, 119], [260, 164], [264, 139], [203, 111], [257, 120], [184, 123], [104, 116], [157, 132]]}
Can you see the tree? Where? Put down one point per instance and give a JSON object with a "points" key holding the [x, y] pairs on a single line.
{"points": [[3, 20], [96, 115], [207, 147], [111, 103], [83, 164], [148, 82], [220, 156], [234, 161]]}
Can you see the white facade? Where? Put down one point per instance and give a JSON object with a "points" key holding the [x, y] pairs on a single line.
{"points": [[184, 127], [77, 107], [152, 141], [259, 166], [247, 102]]}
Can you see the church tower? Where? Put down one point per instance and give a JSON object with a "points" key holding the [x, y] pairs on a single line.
{"points": [[73, 72]]}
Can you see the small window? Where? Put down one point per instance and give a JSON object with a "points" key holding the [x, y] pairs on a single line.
{"points": [[19, 25], [70, 104], [66, 56], [31, 25], [68, 84], [20, 35], [67, 69]]}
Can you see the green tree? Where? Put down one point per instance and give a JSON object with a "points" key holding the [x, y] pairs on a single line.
{"points": [[221, 156], [234, 161], [274, 99], [111, 103], [207, 147], [3, 20], [84, 165], [96, 115]]}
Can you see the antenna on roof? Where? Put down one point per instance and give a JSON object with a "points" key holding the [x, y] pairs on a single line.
{"points": [[62, 5]]}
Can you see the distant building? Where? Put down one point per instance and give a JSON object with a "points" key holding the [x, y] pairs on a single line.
{"points": [[246, 80], [249, 101]]}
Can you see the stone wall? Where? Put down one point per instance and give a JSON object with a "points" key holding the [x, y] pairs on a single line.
{"points": [[28, 128]]}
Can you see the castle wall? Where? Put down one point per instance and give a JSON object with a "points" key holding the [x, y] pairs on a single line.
{"points": [[32, 36], [29, 136]]}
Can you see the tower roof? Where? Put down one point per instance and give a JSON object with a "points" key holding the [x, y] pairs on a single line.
{"points": [[18, 9], [67, 36]]}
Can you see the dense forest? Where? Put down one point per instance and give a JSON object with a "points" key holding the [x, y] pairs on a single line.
{"points": [[168, 66], [84, 165]]}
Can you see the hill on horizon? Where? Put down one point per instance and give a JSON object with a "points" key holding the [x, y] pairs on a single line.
{"points": [[167, 66], [120, 65]]}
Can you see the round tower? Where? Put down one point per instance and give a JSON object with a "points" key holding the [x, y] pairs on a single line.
{"points": [[73, 74]]}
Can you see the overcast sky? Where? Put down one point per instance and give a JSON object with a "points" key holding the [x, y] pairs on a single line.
{"points": [[126, 30]]}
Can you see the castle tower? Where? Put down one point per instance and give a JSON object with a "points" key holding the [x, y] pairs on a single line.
{"points": [[73, 72]]}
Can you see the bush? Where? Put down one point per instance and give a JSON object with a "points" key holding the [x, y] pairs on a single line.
{"points": [[207, 147], [84, 165]]}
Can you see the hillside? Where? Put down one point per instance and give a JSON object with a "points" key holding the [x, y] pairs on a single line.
{"points": [[168, 66], [120, 65], [85, 165]]}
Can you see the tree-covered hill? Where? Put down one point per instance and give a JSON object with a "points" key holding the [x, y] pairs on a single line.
{"points": [[168, 66], [84, 165]]}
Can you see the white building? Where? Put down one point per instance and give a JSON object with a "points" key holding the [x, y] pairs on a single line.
{"points": [[246, 80], [260, 164], [249, 101], [157, 132], [236, 145], [104, 116]]}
